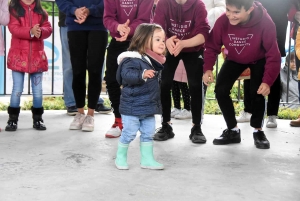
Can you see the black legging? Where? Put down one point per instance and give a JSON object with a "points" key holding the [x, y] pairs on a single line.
{"points": [[194, 69], [182, 87]]}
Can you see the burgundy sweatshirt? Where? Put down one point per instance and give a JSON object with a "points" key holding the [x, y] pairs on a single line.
{"points": [[117, 12], [246, 43], [185, 21]]}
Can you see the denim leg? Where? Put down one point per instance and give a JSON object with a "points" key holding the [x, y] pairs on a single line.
{"points": [[18, 84], [67, 68], [37, 89], [131, 125], [147, 128]]}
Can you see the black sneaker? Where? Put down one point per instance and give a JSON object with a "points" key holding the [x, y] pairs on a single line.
{"points": [[164, 133], [102, 109], [260, 140], [228, 136], [196, 135], [72, 111]]}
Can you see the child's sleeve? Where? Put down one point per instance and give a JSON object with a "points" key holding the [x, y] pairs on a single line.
{"points": [[131, 74], [17, 30], [213, 46], [110, 16], [272, 55], [4, 13], [97, 10], [66, 6], [46, 28], [201, 23]]}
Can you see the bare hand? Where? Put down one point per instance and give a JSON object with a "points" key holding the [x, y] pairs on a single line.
{"points": [[36, 30], [170, 43], [263, 89], [81, 15], [123, 28], [149, 74], [179, 45], [208, 77]]}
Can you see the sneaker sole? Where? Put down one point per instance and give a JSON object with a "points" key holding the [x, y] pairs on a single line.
{"points": [[111, 136], [245, 121], [75, 128], [183, 117], [104, 112], [262, 146], [226, 142], [87, 129], [271, 126], [72, 113], [164, 139]]}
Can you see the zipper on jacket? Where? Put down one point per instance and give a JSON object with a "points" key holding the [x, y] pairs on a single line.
{"points": [[30, 42]]}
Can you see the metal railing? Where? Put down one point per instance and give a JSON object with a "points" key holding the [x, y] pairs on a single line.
{"points": [[52, 14]]}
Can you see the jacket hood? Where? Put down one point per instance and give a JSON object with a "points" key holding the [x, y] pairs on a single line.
{"points": [[256, 15], [131, 54], [179, 9]]}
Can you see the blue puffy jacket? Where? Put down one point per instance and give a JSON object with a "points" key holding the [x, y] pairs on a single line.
{"points": [[138, 96]]}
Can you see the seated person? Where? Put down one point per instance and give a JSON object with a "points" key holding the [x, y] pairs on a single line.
{"points": [[292, 95]]}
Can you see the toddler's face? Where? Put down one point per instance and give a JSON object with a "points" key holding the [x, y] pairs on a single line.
{"points": [[238, 16], [293, 64], [158, 41]]}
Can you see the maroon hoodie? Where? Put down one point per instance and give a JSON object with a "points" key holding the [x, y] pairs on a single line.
{"points": [[185, 21], [246, 43], [117, 12]]}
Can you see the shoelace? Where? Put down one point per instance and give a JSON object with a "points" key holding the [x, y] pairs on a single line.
{"points": [[89, 120], [272, 118], [77, 118], [261, 136], [225, 133]]}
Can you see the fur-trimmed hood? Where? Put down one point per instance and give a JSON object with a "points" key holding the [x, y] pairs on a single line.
{"points": [[131, 54]]}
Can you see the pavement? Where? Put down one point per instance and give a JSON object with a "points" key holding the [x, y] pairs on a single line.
{"points": [[66, 165]]}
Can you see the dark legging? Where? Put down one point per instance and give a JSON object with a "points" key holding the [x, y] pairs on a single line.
{"points": [[229, 73], [87, 51], [194, 69], [273, 98], [114, 49], [184, 89]]}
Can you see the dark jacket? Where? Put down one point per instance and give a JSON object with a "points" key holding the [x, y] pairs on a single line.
{"points": [[93, 22], [139, 96]]}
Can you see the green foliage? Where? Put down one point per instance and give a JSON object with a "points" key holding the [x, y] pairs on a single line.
{"points": [[49, 6]]}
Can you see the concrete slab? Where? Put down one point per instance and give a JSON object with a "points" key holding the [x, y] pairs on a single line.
{"points": [[60, 164]]}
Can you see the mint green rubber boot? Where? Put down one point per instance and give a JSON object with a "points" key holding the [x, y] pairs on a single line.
{"points": [[147, 159], [121, 159]]}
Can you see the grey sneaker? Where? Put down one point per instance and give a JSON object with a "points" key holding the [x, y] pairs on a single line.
{"points": [[243, 117], [77, 122], [174, 112], [271, 121], [88, 124], [184, 114]]}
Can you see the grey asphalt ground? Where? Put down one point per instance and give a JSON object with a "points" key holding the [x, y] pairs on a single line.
{"points": [[66, 165]]}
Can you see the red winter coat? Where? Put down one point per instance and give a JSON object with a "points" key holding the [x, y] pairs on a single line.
{"points": [[26, 53]]}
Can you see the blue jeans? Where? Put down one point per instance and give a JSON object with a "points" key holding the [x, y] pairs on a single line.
{"points": [[18, 85], [67, 70], [133, 124]]}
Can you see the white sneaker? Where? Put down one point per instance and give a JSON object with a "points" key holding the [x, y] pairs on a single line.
{"points": [[114, 131], [77, 122], [271, 122], [243, 117], [88, 124], [184, 114], [174, 112]]}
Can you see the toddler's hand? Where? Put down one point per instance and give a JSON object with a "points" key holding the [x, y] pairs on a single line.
{"points": [[149, 74]]}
